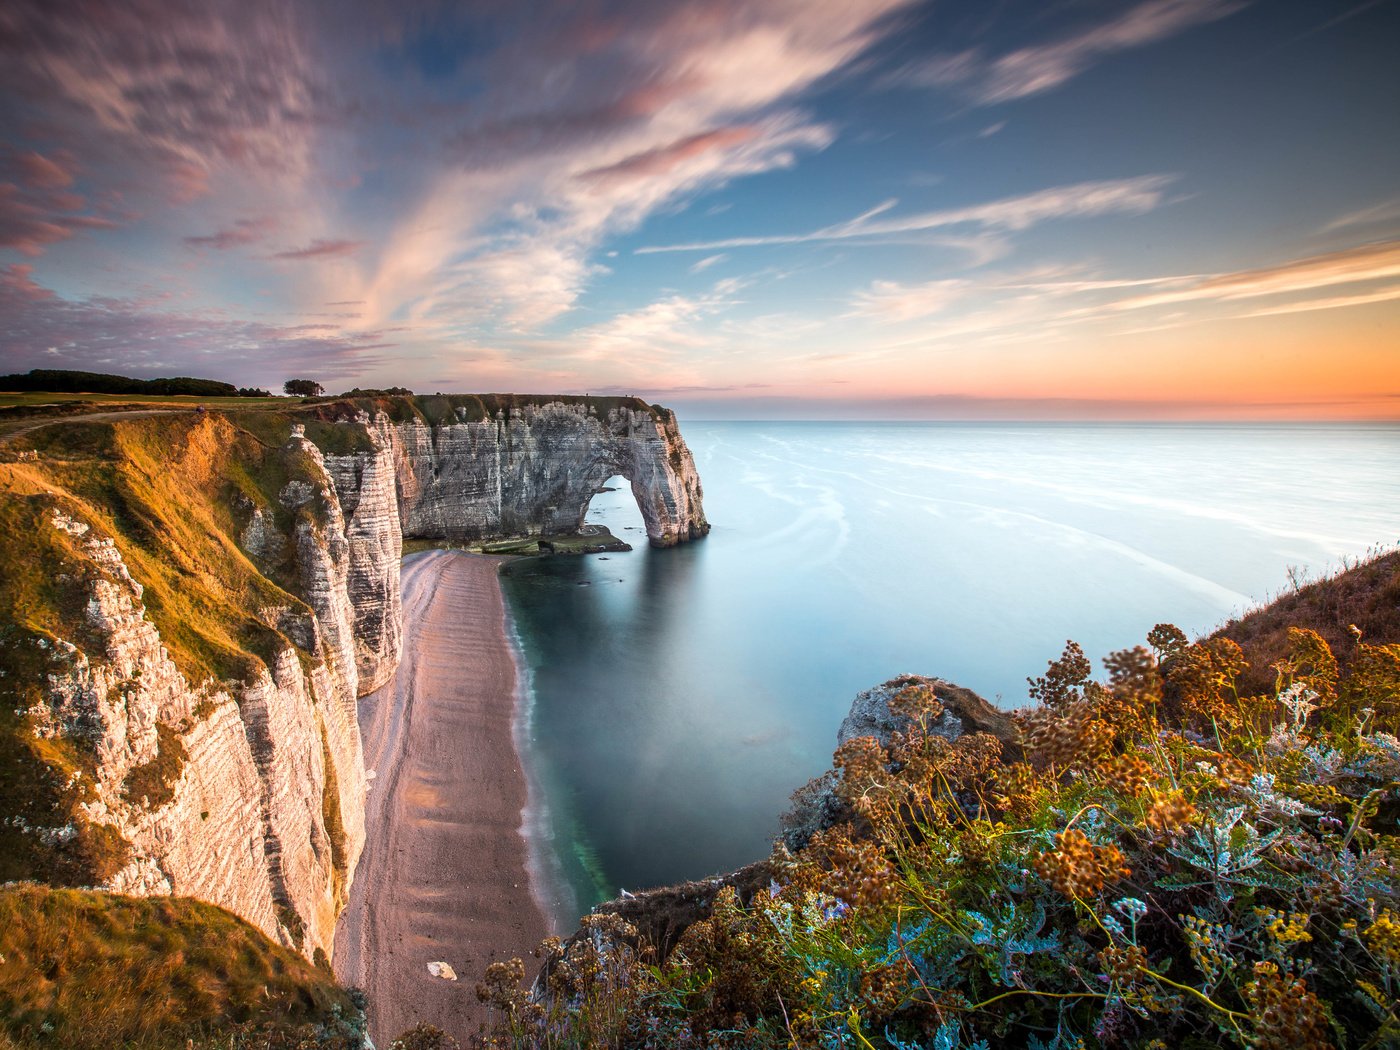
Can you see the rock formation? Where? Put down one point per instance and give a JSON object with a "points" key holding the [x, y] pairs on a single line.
{"points": [[250, 793], [661, 916], [530, 469]]}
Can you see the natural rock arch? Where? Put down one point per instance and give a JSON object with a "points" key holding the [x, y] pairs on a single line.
{"points": [[532, 468]]}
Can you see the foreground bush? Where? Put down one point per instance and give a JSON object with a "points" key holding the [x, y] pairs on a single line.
{"points": [[1175, 865]]}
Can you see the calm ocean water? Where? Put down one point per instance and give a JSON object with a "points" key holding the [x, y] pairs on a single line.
{"points": [[677, 698]]}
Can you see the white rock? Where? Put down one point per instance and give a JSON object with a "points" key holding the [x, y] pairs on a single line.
{"points": [[441, 969]]}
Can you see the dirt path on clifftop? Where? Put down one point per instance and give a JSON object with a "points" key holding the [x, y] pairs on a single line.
{"points": [[442, 876]]}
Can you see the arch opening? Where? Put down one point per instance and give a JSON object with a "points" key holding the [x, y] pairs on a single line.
{"points": [[613, 510]]}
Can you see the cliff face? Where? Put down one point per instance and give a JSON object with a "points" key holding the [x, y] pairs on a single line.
{"points": [[246, 787], [531, 469]]}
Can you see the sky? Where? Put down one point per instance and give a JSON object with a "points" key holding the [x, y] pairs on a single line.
{"points": [[1099, 209]]}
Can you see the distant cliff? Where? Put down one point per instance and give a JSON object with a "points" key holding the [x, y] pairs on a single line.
{"points": [[193, 602]]}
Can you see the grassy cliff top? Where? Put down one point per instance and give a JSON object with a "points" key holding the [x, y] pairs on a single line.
{"points": [[1364, 596], [95, 970]]}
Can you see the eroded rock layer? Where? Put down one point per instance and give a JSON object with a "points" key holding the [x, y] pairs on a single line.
{"points": [[248, 789]]}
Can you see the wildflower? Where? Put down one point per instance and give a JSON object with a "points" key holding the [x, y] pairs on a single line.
{"points": [[1068, 735], [1169, 813], [1123, 964], [1285, 928], [1078, 868], [1131, 908], [1383, 937], [1209, 945], [1126, 774], [1286, 1015], [917, 703]]}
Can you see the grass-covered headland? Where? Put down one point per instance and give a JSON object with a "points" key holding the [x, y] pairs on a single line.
{"points": [[1177, 863], [1199, 851], [81, 970]]}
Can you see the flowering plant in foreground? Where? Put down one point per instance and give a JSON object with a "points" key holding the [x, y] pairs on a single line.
{"points": [[1169, 864]]}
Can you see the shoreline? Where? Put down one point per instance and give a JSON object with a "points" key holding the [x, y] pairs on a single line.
{"points": [[447, 873], [549, 886]]}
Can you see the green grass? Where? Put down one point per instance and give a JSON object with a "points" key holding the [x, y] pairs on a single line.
{"points": [[10, 399], [165, 489], [155, 780], [84, 970], [173, 492], [334, 821]]}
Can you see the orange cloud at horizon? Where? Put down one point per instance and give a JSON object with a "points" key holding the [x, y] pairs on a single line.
{"points": [[1319, 365]]}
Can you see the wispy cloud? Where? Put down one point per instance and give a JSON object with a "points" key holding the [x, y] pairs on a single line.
{"points": [[660, 330], [320, 249], [32, 218], [109, 334], [241, 232], [891, 301], [1080, 200], [661, 160], [1047, 303], [55, 172], [1380, 295], [186, 88], [709, 260], [1366, 262], [1039, 68], [1386, 212], [597, 124]]}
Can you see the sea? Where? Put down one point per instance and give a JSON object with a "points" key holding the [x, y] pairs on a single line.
{"points": [[672, 700]]}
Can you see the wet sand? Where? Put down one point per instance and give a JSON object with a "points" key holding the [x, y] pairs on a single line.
{"points": [[443, 873]]}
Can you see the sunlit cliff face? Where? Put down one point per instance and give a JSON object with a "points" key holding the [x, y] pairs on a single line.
{"points": [[1136, 209]]}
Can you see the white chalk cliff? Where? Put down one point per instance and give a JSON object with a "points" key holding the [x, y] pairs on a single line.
{"points": [[264, 812]]}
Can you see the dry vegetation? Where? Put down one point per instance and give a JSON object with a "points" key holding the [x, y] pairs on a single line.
{"points": [[1178, 862], [95, 971], [1365, 597]]}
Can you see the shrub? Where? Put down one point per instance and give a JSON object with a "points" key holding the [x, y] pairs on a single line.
{"points": [[1175, 863]]}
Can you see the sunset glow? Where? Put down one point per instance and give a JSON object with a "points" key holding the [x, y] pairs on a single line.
{"points": [[1121, 209]]}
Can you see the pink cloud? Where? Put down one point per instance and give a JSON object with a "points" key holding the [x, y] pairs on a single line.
{"points": [[1042, 67], [243, 231], [126, 335], [176, 87], [32, 220], [663, 159], [45, 173], [321, 249], [16, 285]]}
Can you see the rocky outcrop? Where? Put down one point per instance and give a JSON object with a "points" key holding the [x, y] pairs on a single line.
{"points": [[366, 486], [963, 712], [817, 805], [250, 794], [659, 917], [203, 834], [530, 470]]}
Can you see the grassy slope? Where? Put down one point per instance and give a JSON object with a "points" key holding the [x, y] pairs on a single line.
{"points": [[94, 970], [1367, 596], [166, 489]]}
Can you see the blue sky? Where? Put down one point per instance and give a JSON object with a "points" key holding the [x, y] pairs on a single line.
{"points": [[1150, 209]]}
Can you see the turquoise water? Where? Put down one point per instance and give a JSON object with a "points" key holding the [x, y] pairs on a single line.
{"points": [[678, 697]]}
